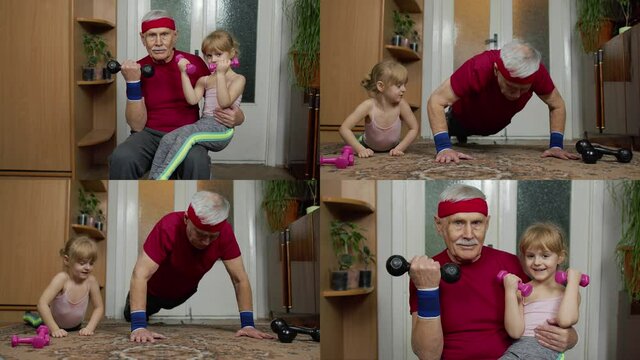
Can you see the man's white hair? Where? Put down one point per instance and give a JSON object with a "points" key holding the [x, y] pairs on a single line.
{"points": [[520, 58], [156, 14], [210, 207], [458, 192]]}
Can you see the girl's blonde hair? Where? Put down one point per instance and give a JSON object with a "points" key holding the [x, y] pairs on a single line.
{"points": [[543, 236], [79, 249], [387, 71], [219, 40]]}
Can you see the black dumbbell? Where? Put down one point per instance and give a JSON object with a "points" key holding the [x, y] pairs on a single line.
{"points": [[398, 265], [114, 67], [591, 154], [287, 333]]}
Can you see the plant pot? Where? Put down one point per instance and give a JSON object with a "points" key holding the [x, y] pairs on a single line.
{"points": [[313, 208], [88, 73], [623, 29], [405, 42], [414, 46], [99, 225], [591, 44], [314, 81], [339, 280], [82, 219], [91, 221], [365, 279], [353, 276], [628, 269], [396, 40], [106, 74], [290, 215]]}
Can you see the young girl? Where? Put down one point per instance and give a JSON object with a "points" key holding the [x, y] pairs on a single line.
{"points": [[64, 302], [542, 249], [383, 113], [222, 88]]}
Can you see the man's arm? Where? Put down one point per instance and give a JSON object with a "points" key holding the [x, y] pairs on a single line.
{"points": [[242, 287], [135, 111], [426, 337], [142, 272], [557, 119], [442, 97], [552, 336], [229, 117]]}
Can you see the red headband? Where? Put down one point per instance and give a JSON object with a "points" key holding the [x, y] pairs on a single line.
{"points": [[507, 75], [164, 22], [191, 214], [447, 208]]}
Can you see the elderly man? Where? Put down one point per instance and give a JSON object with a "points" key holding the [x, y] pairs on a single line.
{"points": [[179, 251], [486, 92], [465, 319], [156, 105]]}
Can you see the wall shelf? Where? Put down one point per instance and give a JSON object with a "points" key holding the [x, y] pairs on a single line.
{"points": [[351, 292], [409, 6], [89, 231], [96, 136], [96, 24], [95, 82], [403, 53], [348, 206]]}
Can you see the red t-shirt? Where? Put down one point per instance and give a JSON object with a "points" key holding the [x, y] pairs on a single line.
{"points": [[482, 109], [472, 309], [167, 108], [181, 264]]}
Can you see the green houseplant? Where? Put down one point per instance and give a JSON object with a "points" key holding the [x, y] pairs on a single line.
{"points": [[96, 49], [594, 26], [304, 52], [88, 206], [280, 202], [625, 6], [346, 240], [402, 26], [627, 196], [367, 257]]}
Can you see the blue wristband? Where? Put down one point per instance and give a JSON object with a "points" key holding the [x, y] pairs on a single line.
{"points": [[138, 320], [442, 141], [246, 318], [134, 90], [556, 140], [429, 303]]}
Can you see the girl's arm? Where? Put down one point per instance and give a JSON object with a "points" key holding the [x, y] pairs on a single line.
{"points": [[54, 287], [414, 128], [568, 312], [98, 307], [228, 93], [513, 307], [191, 94], [345, 129]]}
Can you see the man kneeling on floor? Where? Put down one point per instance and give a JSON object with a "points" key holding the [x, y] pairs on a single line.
{"points": [[179, 251]]}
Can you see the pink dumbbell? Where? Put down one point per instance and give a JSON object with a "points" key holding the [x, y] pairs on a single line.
{"points": [[525, 289], [190, 67], [341, 162], [39, 341], [234, 64], [561, 278]]}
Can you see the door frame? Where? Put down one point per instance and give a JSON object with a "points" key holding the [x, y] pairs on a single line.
{"points": [[438, 35]]}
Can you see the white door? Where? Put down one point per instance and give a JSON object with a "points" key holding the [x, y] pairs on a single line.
{"points": [[472, 26], [251, 21]]}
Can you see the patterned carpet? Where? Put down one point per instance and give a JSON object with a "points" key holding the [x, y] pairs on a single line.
{"points": [[502, 161], [111, 341]]}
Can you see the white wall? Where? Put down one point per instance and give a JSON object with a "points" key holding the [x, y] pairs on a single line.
{"points": [[595, 228], [215, 298]]}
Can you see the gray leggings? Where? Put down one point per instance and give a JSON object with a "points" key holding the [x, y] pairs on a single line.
{"points": [[527, 347], [175, 146]]}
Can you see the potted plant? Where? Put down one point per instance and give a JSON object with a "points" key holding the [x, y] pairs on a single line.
{"points": [[96, 49], [88, 206], [415, 41], [346, 239], [312, 189], [366, 257], [402, 25], [99, 224], [594, 26], [304, 52], [627, 196], [280, 202], [625, 6]]}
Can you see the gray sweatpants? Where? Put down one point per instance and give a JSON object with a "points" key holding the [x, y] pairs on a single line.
{"points": [[174, 146], [527, 347], [132, 159]]}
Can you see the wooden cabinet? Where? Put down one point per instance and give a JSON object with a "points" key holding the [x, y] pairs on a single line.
{"points": [[348, 319], [54, 124], [621, 91], [355, 44]]}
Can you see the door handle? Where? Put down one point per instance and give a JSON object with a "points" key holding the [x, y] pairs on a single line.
{"points": [[494, 40]]}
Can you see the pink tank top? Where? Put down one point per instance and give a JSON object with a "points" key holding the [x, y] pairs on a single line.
{"points": [[537, 312], [211, 100], [67, 314], [379, 138]]}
